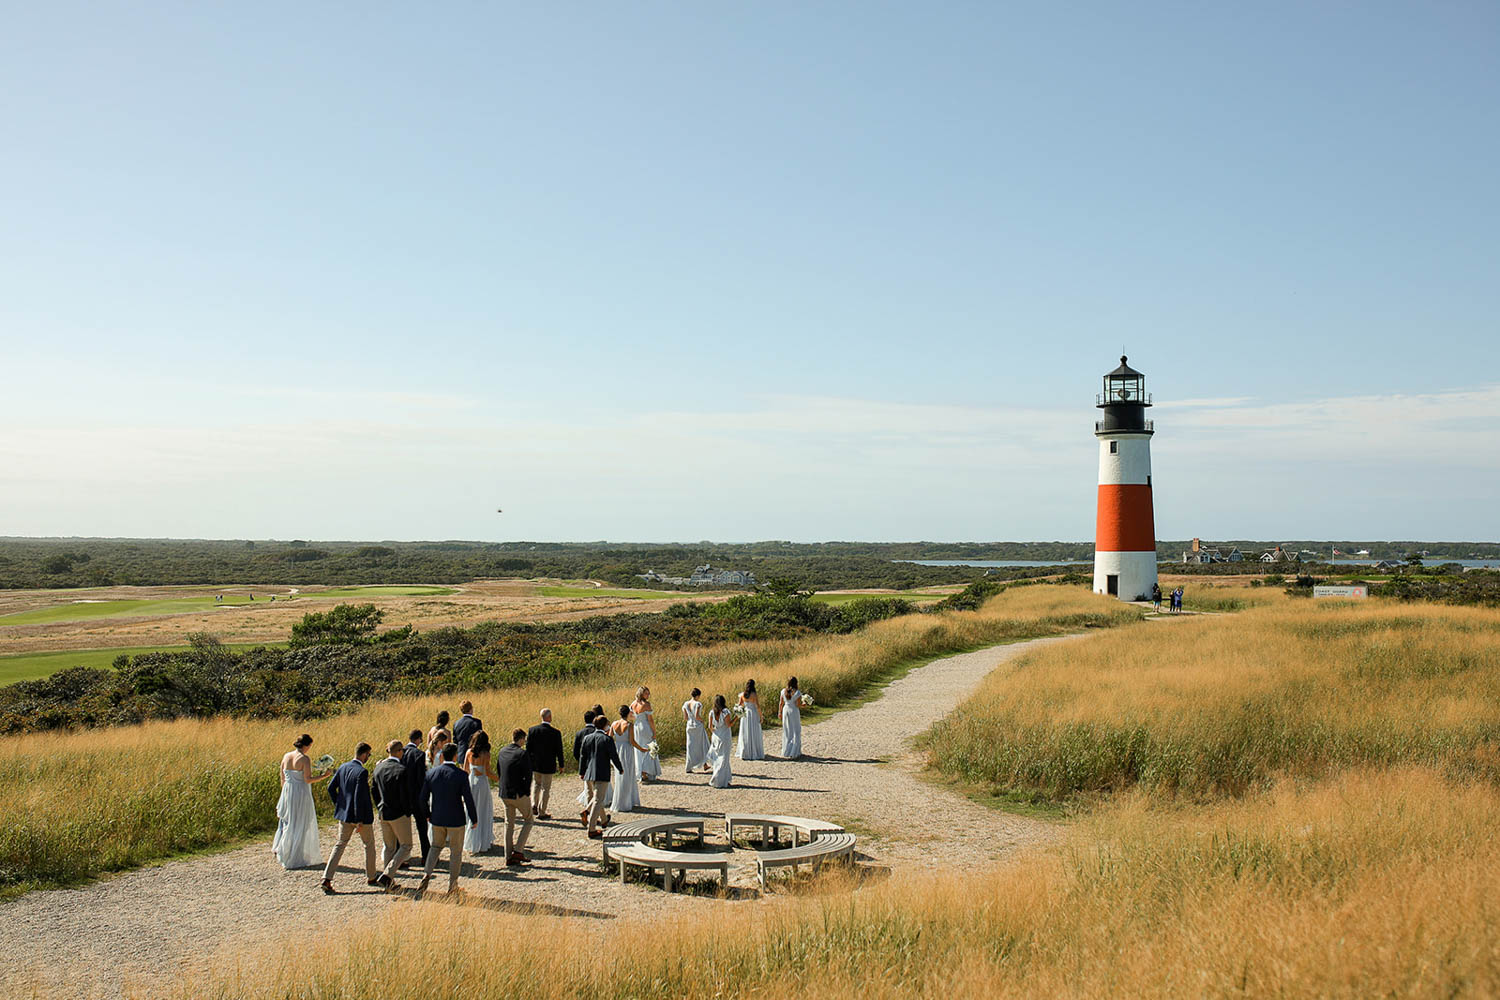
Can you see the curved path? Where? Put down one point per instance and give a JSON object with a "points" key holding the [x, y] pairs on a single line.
{"points": [[130, 929]]}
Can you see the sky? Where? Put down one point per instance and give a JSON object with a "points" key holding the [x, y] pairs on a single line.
{"points": [[688, 271]]}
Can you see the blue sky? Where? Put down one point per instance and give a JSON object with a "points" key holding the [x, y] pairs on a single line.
{"points": [[681, 271]]}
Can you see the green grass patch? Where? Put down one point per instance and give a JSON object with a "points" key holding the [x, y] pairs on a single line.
{"points": [[32, 666], [914, 597], [76, 610], [644, 595], [376, 591]]}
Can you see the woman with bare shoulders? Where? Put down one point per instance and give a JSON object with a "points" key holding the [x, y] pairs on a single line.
{"points": [[296, 842], [435, 757], [480, 836], [627, 785], [645, 734], [721, 726], [752, 745], [791, 720]]}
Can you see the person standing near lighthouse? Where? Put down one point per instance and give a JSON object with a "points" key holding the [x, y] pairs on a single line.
{"points": [[1125, 533]]}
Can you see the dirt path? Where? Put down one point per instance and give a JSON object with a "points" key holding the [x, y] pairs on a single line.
{"points": [[165, 920]]}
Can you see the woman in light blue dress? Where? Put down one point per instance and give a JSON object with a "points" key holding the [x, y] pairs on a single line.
{"points": [[791, 721], [697, 733], [480, 836], [645, 734], [627, 786], [296, 842], [752, 743], [721, 726]]}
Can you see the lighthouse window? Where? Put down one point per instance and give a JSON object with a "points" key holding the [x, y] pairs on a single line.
{"points": [[1114, 447]]}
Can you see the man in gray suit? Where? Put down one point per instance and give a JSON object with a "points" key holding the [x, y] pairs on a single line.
{"points": [[595, 764]]}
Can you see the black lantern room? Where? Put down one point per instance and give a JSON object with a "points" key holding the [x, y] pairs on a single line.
{"points": [[1124, 401]]}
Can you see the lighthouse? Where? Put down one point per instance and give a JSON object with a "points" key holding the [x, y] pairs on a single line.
{"points": [[1125, 533]]}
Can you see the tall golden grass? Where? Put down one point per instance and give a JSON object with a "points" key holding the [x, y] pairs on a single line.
{"points": [[81, 803], [1373, 884], [1219, 705]]}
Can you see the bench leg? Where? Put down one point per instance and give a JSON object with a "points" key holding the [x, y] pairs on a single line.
{"points": [[622, 871], [724, 878], [760, 870], [666, 879]]}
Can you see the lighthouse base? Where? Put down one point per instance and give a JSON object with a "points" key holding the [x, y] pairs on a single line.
{"points": [[1126, 575]]}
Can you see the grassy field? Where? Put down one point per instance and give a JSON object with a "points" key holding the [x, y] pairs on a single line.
{"points": [[916, 597], [612, 592], [123, 810], [1222, 705], [30, 666], [1374, 884], [84, 610]]}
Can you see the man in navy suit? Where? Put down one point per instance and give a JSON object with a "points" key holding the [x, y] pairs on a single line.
{"points": [[350, 791], [414, 759], [465, 728], [597, 765], [448, 799]]}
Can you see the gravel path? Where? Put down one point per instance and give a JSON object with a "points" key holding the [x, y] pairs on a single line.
{"points": [[163, 921]]}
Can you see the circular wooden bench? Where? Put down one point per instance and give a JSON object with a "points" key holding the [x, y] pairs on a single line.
{"points": [[825, 847], [651, 831], [771, 826], [667, 862]]}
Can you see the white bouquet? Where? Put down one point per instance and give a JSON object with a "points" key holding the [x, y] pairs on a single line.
{"points": [[806, 701], [654, 749], [738, 711], [323, 763]]}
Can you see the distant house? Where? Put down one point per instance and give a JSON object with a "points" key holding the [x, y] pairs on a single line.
{"points": [[1280, 555], [1388, 564], [1201, 554], [704, 576]]}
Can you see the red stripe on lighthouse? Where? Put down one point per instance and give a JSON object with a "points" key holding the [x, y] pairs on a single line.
{"points": [[1125, 521]]}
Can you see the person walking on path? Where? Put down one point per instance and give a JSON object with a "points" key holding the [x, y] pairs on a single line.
{"points": [[721, 725], [434, 752], [544, 747], [752, 744], [791, 720], [350, 791], [597, 764], [514, 766], [647, 766], [697, 734], [465, 728], [448, 800], [480, 836], [414, 761], [391, 790], [1156, 597], [296, 842]]}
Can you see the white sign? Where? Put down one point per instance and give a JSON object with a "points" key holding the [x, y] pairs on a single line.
{"points": [[1332, 591]]}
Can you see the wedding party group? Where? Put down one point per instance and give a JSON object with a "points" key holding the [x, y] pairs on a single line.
{"points": [[434, 790]]}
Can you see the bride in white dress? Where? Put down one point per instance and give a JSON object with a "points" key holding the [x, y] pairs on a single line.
{"points": [[627, 786], [296, 842], [480, 836], [752, 744], [697, 734], [645, 733], [721, 725], [791, 721]]}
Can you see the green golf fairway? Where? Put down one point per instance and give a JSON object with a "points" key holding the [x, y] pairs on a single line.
{"points": [[31, 666]]}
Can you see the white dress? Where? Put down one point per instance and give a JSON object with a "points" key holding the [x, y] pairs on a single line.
{"points": [[480, 836], [718, 750], [627, 790], [697, 735], [752, 743], [296, 842], [791, 725], [645, 732]]}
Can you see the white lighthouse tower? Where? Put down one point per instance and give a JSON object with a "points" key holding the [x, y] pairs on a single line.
{"points": [[1125, 534]]}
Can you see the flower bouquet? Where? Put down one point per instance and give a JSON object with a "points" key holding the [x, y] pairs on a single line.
{"points": [[654, 749], [805, 701], [738, 711], [323, 764]]}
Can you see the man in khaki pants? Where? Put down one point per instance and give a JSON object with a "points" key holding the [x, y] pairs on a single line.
{"points": [[391, 789], [597, 762], [350, 791], [448, 799], [514, 767], [545, 748]]}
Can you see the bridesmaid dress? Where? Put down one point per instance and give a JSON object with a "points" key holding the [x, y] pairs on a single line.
{"points": [[791, 725], [296, 842], [718, 751], [645, 731], [752, 743], [480, 837], [627, 786], [697, 735]]}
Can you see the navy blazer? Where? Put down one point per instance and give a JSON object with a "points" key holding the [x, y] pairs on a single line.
{"points": [[599, 756], [446, 796], [578, 739], [544, 747], [350, 791], [463, 731], [513, 765], [414, 759]]}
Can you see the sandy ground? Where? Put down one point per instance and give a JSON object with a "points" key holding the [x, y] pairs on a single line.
{"points": [[158, 924]]}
